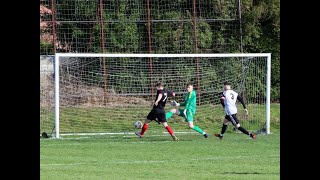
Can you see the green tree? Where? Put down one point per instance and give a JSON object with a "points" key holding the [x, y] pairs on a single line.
{"points": [[262, 35]]}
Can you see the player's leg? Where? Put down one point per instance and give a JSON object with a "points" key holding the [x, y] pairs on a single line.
{"points": [[161, 116], [170, 131], [189, 119], [151, 116], [224, 127], [144, 128], [171, 112], [236, 124]]}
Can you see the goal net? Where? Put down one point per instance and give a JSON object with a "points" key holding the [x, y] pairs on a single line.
{"points": [[107, 93]]}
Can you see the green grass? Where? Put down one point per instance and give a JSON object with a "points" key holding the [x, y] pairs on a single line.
{"points": [[158, 157], [121, 119]]}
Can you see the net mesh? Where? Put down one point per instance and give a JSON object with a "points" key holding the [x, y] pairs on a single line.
{"points": [[144, 26], [109, 94]]}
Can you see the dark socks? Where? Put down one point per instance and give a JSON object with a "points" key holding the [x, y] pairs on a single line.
{"points": [[223, 129], [243, 130]]}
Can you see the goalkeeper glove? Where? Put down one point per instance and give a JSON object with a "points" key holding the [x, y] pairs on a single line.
{"points": [[174, 103], [246, 111]]}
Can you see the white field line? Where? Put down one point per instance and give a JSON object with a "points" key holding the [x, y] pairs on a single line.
{"points": [[158, 161], [120, 133]]}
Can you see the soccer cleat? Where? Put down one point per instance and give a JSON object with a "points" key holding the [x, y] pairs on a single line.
{"points": [[205, 135], [253, 136], [175, 138], [218, 135], [138, 134]]}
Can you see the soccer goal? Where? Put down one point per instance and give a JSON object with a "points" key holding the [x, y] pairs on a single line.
{"points": [[107, 93]]}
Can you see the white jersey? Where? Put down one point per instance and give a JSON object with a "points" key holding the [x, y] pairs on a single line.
{"points": [[230, 102]]}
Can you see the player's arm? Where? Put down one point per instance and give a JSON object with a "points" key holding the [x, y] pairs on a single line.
{"points": [[186, 101], [240, 99], [171, 93], [183, 104], [191, 98], [222, 100], [222, 97], [159, 98]]}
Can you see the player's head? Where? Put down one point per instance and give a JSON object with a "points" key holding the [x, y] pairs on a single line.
{"points": [[226, 86], [189, 87], [159, 85]]}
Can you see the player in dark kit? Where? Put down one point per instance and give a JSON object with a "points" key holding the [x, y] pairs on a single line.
{"points": [[158, 113]]}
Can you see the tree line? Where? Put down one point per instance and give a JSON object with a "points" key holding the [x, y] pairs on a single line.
{"points": [[169, 28]]}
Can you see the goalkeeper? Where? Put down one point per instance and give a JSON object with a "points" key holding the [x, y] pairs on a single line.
{"points": [[188, 111]]}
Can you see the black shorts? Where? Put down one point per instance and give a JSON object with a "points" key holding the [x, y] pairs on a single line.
{"points": [[232, 118], [158, 114]]}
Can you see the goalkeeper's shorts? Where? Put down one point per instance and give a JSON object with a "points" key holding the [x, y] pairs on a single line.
{"points": [[189, 117]]}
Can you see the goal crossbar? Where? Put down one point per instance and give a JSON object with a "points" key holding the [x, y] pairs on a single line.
{"points": [[163, 55]]}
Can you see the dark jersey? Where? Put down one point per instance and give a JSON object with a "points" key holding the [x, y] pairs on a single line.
{"points": [[162, 103]]}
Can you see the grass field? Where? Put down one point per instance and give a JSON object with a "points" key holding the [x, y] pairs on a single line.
{"points": [[114, 120], [156, 156]]}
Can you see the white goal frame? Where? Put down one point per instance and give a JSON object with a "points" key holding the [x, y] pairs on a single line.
{"points": [[58, 55]]}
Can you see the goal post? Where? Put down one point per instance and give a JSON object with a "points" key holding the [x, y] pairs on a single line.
{"points": [[106, 93]]}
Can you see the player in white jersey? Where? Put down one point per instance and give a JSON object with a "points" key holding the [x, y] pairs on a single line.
{"points": [[228, 101]]}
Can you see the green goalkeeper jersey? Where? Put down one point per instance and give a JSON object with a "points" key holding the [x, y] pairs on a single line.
{"points": [[190, 100]]}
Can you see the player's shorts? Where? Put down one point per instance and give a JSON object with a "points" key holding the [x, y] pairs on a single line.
{"points": [[189, 117], [232, 118], [159, 114]]}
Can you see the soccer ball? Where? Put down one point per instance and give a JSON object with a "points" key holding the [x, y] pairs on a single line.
{"points": [[138, 124]]}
